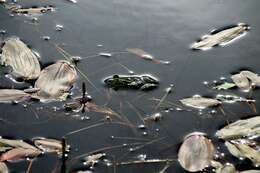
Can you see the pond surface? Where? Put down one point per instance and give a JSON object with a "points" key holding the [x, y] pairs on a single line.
{"points": [[163, 28]]}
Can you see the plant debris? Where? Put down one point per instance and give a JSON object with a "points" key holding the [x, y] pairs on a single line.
{"points": [[224, 86], [91, 160], [241, 128], [20, 58], [200, 102], [196, 152], [3, 168], [12, 95], [55, 81], [49, 145], [220, 37]]}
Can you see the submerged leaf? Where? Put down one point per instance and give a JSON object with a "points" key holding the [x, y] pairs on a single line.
{"points": [[91, 107], [220, 37], [141, 53], [220, 168], [251, 171], [20, 58], [241, 128], [55, 81], [233, 99], [196, 152], [200, 102], [3, 168], [241, 81], [12, 95]]}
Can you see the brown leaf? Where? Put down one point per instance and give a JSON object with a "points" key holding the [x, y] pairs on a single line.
{"points": [[196, 152], [19, 153], [55, 81], [20, 58]]}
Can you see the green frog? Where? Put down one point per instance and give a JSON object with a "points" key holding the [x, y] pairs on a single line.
{"points": [[143, 82]]}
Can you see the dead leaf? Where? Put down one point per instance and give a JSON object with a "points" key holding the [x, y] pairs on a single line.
{"points": [[12, 95], [49, 145], [55, 81], [20, 58], [200, 102], [3, 168], [241, 81], [196, 152], [19, 153]]}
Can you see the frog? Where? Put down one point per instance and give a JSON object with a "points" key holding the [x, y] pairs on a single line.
{"points": [[142, 82]]}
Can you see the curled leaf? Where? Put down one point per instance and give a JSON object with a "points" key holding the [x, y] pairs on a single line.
{"points": [[254, 78], [241, 81], [20, 58], [200, 102], [196, 152], [55, 81]]}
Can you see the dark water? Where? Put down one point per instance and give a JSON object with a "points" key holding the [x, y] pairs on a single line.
{"points": [[163, 28]]}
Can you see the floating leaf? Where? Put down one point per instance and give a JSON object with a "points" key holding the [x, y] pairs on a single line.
{"points": [[244, 149], [241, 81], [251, 171], [224, 86], [55, 81], [241, 128], [49, 145], [3, 168], [200, 102], [254, 78], [15, 144], [36, 10], [20, 58], [141, 53], [220, 168], [196, 152], [12, 95], [232, 99], [19, 153], [93, 159], [220, 37]]}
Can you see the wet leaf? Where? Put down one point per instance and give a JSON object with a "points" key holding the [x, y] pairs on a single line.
{"points": [[15, 144], [55, 81], [12, 95], [91, 107], [224, 86], [36, 10], [241, 81], [244, 149], [241, 128], [251, 171], [220, 37], [19, 153], [196, 152], [200, 102], [233, 99], [254, 78], [20, 58], [220, 168], [49, 145], [3, 168], [93, 159], [141, 53]]}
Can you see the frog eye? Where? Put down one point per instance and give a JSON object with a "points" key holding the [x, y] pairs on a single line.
{"points": [[115, 76]]}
